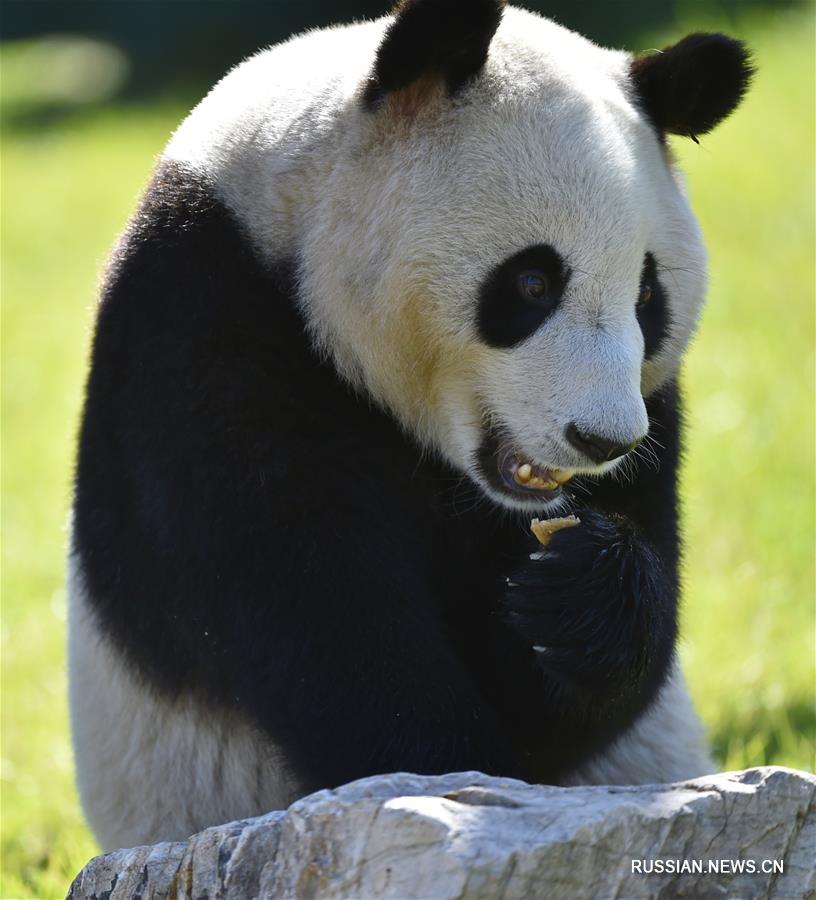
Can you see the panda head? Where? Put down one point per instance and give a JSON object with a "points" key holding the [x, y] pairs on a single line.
{"points": [[501, 251]]}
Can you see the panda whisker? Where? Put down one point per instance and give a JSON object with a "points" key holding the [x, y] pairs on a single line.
{"points": [[593, 275], [477, 500], [648, 455], [460, 488], [650, 438], [632, 468], [687, 269], [673, 270], [579, 487], [650, 458], [626, 472], [652, 443]]}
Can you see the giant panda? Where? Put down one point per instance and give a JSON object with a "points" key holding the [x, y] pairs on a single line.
{"points": [[395, 288]]}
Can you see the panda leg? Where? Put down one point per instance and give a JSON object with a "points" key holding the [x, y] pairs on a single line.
{"points": [[666, 744], [355, 678], [152, 768]]}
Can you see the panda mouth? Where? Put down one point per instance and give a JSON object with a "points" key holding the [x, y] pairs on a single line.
{"points": [[520, 474], [510, 471]]}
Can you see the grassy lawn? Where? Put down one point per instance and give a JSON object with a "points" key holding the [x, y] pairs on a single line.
{"points": [[748, 482], [749, 475]]}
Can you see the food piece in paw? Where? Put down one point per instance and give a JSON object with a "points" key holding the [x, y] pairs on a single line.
{"points": [[544, 529]]}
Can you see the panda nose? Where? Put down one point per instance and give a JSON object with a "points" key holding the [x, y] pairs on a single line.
{"points": [[598, 448]]}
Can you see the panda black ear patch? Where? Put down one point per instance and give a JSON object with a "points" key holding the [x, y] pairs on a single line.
{"points": [[692, 86], [445, 40]]}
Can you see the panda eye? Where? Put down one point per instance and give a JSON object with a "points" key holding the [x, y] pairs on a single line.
{"points": [[533, 286], [518, 295], [645, 295]]}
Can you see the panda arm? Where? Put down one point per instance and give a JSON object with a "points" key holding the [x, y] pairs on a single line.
{"points": [[597, 609], [365, 677]]}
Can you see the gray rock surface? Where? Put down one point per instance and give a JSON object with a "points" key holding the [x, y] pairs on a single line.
{"points": [[467, 835]]}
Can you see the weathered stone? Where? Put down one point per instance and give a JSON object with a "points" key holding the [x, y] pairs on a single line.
{"points": [[467, 835]]}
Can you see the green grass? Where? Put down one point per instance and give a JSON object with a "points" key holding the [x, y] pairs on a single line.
{"points": [[67, 192], [749, 477], [748, 484]]}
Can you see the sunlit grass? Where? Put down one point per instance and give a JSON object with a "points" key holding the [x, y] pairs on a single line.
{"points": [[67, 191], [749, 477], [749, 615]]}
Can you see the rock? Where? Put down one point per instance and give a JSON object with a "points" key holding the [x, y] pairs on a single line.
{"points": [[468, 835]]}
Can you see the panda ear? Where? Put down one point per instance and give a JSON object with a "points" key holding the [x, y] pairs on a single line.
{"points": [[692, 86], [433, 41]]}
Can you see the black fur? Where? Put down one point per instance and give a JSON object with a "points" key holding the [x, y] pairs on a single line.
{"points": [[505, 317], [448, 38], [652, 316], [692, 86], [599, 642], [251, 531]]}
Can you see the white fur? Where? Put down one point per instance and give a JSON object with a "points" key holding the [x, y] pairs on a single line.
{"points": [[149, 769]]}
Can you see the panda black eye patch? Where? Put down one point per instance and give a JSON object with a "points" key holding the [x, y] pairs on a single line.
{"points": [[652, 308], [519, 293]]}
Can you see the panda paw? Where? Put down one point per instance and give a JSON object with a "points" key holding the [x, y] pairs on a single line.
{"points": [[597, 607]]}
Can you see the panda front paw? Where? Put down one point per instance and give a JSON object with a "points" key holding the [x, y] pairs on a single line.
{"points": [[598, 608]]}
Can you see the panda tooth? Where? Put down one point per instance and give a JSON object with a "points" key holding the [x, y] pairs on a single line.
{"points": [[532, 477], [524, 473], [542, 485]]}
